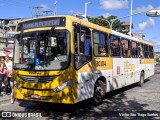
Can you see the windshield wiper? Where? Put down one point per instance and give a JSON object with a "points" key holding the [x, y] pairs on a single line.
{"points": [[28, 38]]}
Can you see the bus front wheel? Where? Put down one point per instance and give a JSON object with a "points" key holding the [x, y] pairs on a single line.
{"points": [[141, 79], [99, 92]]}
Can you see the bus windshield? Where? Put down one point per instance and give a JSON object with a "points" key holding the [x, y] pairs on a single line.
{"points": [[42, 50]]}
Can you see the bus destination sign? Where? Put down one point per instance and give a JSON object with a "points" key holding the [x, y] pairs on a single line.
{"points": [[44, 22]]}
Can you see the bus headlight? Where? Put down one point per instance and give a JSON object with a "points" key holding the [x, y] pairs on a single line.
{"points": [[17, 85], [62, 86]]}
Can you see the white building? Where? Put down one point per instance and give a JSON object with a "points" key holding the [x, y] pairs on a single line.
{"points": [[7, 30]]}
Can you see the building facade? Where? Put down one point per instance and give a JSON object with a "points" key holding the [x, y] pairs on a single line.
{"points": [[7, 31]]}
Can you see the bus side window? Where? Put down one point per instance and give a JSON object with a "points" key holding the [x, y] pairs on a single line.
{"points": [[126, 52], [151, 52], [146, 51], [115, 46], [141, 49], [100, 43], [76, 38], [134, 51], [85, 41], [82, 45]]}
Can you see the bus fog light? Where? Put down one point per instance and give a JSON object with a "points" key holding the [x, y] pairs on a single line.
{"points": [[62, 86], [17, 85]]}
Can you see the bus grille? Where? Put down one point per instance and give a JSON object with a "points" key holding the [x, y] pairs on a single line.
{"points": [[37, 79]]}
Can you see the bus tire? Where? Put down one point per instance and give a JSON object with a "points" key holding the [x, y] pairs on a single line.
{"points": [[141, 82], [99, 92]]}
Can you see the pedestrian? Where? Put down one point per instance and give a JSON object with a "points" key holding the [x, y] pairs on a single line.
{"points": [[6, 71], [2, 74], [11, 82], [8, 64]]}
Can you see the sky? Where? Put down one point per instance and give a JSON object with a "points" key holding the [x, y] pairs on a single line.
{"points": [[149, 26]]}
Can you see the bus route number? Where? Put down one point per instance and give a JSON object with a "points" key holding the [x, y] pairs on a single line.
{"points": [[100, 63]]}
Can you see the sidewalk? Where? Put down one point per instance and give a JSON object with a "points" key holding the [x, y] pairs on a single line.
{"points": [[5, 99]]}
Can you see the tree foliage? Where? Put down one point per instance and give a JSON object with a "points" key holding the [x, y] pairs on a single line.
{"points": [[157, 60], [106, 22]]}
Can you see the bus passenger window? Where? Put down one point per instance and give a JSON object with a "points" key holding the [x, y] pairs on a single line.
{"points": [[151, 52], [134, 50], [103, 50], [126, 52], [100, 44], [115, 46], [85, 44], [146, 51], [141, 53]]}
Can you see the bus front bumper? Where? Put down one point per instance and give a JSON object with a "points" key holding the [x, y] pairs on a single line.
{"points": [[66, 96]]}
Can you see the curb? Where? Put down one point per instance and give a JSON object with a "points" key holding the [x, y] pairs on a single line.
{"points": [[4, 99]]}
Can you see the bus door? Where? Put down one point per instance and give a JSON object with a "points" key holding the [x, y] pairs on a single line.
{"points": [[82, 57], [140, 57], [135, 61], [118, 62]]}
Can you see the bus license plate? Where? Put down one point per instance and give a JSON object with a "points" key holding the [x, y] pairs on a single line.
{"points": [[35, 96]]}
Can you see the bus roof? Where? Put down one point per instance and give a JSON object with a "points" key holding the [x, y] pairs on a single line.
{"points": [[146, 42], [130, 38], [124, 36]]}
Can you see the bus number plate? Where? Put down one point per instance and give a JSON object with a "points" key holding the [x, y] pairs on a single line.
{"points": [[35, 96]]}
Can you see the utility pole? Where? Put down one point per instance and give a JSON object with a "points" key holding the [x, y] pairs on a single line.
{"points": [[37, 10], [130, 27], [85, 11], [55, 7], [47, 11]]}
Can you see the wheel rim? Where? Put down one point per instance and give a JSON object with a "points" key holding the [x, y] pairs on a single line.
{"points": [[99, 93]]}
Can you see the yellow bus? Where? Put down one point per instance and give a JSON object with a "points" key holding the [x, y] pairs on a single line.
{"points": [[63, 59]]}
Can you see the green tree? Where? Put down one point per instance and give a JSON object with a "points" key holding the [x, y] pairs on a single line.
{"points": [[106, 22], [157, 60]]}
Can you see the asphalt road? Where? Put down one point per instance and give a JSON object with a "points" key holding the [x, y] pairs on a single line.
{"points": [[131, 102]]}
